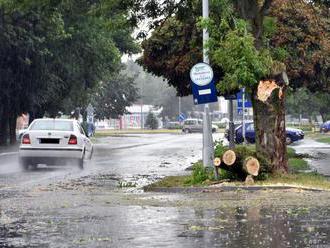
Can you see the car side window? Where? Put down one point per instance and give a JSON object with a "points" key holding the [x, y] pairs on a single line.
{"points": [[200, 122], [190, 122], [250, 127]]}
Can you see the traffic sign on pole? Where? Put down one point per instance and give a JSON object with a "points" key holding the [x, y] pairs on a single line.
{"points": [[203, 87], [181, 117]]}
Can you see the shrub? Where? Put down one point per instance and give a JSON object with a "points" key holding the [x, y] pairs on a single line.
{"points": [[200, 174], [152, 121]]}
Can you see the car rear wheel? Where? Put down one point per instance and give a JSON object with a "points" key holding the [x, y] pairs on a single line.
{"points": [[81, 163], [24, 164]]}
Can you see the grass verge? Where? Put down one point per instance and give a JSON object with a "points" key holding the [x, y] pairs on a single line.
{"points": [[324, 140], [106, 133], [204, 176]]}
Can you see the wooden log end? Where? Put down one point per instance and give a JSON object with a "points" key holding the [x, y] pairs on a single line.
{"points": [[217, 162], [229, 157], [251, 166], [249, 180]]}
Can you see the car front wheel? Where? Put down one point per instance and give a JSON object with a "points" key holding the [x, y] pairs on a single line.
{"points": [[288, 140], [186, 130]]}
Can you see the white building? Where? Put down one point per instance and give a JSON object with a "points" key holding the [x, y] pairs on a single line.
{"points": [[135, 118]]}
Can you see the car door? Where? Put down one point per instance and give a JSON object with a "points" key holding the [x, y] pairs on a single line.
{"points": [[199, 126], [87, 142], [250, 133]]}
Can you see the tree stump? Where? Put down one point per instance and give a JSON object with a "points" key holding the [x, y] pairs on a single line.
{"points": [[251, 166], [249, 180], [229, 157]]}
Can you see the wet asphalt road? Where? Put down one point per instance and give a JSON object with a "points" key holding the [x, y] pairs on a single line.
{"points": [[320, 153], [67, 207]]}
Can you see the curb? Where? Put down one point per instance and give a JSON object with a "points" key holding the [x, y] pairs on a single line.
{"points": [[223, 189], [8, 154]]}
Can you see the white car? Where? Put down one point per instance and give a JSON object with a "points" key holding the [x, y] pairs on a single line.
{"points": [[54, 142], [195, 125]]}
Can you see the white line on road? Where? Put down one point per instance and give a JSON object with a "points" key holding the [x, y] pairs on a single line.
{"points": [[8, 153]]}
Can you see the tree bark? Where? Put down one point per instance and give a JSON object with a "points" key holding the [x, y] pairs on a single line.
{"points": [[12, 129], [3, 124], [269, 122]]}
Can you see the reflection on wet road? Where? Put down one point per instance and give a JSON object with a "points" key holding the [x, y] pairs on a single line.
{"points": [[66, 207], [320, 153]]}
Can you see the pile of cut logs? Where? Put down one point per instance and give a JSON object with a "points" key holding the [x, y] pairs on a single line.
{"points": [[245, 168]]}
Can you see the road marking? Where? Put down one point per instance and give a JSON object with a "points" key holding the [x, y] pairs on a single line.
{"points": [[8, 153]]}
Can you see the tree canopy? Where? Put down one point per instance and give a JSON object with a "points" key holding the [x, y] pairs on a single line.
{"points": [[251, 43], [52, 51]]}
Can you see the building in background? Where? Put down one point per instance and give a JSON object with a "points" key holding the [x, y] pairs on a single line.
{"points": [[134, 118]]}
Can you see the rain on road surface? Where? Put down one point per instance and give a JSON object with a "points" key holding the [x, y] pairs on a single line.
{"points": [[320, 153], [66, 207]]}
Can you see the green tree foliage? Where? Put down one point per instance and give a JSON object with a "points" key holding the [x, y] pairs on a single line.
{"points": [[250, 41], [172, 50], [55, 52], [113, 96], [302, 39], [308, 104], [234, 51]]}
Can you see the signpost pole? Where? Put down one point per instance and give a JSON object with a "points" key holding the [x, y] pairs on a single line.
{"points": [[231, 125], [243, 120], [208, 149], [180, 109]]}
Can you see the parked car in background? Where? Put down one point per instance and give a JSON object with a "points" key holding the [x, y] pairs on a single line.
{"points": [[292, 134], [195, 125], [54, 142], [325, 127]]}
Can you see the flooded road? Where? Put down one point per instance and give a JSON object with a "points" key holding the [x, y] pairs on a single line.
{"points": [[320, 153], [104, 206]]}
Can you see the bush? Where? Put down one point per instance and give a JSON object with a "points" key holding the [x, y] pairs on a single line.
{"points": [[152, 121], [200, 174]]}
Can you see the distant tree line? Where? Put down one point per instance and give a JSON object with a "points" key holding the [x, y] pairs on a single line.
{"points": [[54, 54]]}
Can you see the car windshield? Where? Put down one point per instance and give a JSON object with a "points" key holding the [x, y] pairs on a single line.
{"points": [[52, 125]]}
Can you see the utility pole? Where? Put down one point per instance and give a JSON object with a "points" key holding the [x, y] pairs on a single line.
{"points": [[141, 114], [243, 119], [179, 105], [208, 149], [231, 125]]}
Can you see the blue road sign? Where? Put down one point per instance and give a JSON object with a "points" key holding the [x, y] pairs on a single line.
{"points": [[248, 103], [181, 117], [204, 94], [202, 84]]}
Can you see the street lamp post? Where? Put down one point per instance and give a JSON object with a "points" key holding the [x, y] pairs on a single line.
{"points": [[208, 149]]}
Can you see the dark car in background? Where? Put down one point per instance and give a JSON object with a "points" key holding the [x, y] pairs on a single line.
{"points": [[292, 134], [325, 127]]}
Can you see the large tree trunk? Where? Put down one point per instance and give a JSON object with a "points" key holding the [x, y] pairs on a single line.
{"points": [[3, 124], [269, 122], [12, 129]]}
